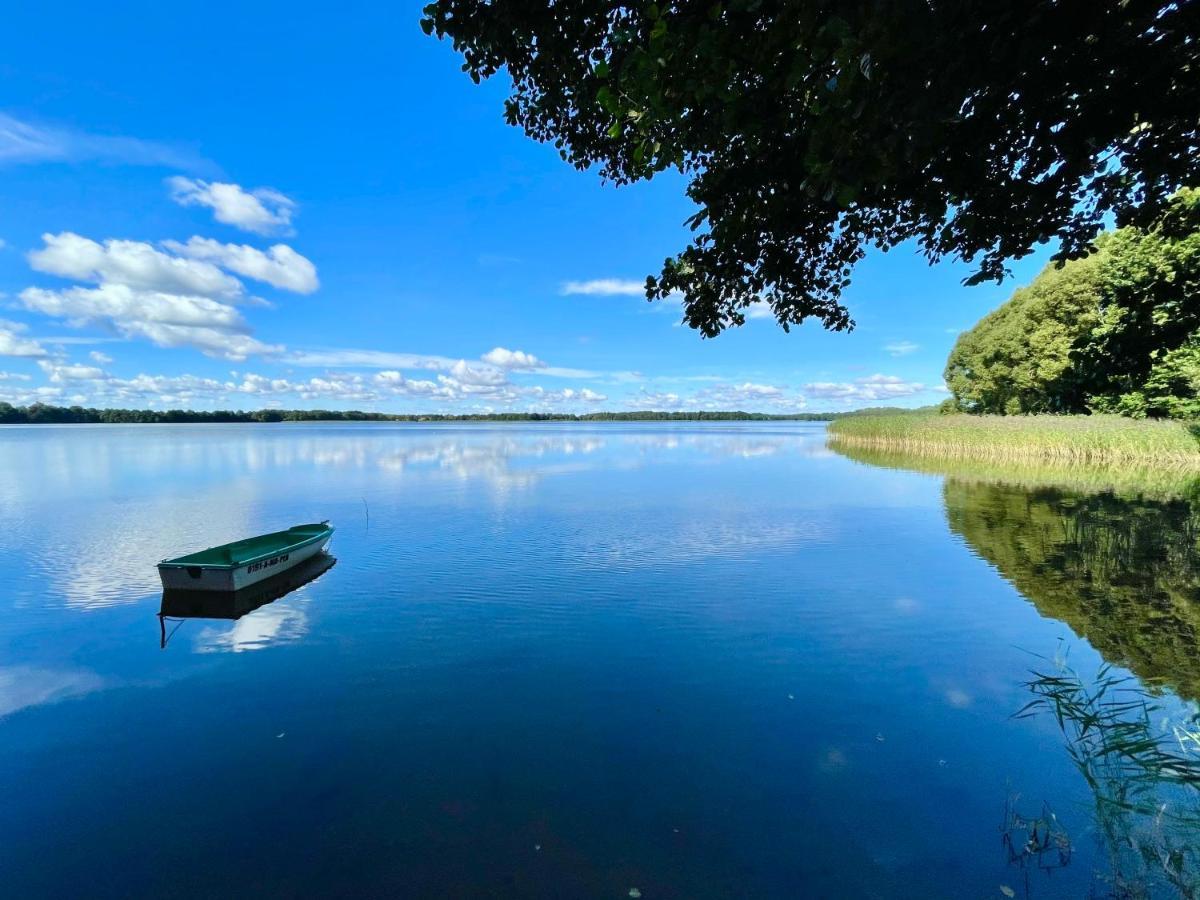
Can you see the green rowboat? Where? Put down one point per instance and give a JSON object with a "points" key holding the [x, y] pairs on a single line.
{"points": [[231, 567]]}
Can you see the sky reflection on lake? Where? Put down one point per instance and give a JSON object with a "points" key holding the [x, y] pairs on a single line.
{"points": [[695, 660]]}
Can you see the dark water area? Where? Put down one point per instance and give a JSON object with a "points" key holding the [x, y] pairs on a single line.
{"points": [[620, 660]]}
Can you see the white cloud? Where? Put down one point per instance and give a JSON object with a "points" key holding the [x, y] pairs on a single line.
{"points": [[102, 358], [371, 359], [133, 263], [469, 373], [544, 399], [59, 373], [280, 265], [209, 341], [901, 348], [168, 320], [512, 359], [121, 303], [605, 287], [13, 344], [13, 376], [171, 300], [758, 390], [25, 142], [385, 359], [865, 390], [747, 396], [657, 400], [262, 210], [760, 309]]}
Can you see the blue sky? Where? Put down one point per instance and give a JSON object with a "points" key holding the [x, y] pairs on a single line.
{"points": [[261, 205]]}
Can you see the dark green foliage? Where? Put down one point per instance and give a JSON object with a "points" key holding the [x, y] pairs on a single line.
{"points": [[812, 130], [1115, 332], [1122, 570], [1171, 389]]}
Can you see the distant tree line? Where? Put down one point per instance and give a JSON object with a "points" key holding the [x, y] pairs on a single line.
{"points": [[1118, 331], [39, 414]]}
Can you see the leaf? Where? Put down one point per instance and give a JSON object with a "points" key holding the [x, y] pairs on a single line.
{"points": [[1007, 891]]}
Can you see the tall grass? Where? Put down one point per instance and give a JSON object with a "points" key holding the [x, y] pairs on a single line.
{"points": [[1066, 439]]}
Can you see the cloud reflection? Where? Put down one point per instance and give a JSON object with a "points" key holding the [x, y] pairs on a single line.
{"points": [[95, 507], [261, 628], [25, 686]]}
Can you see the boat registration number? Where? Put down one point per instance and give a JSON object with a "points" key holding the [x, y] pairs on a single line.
{"points": [[267, 563]]}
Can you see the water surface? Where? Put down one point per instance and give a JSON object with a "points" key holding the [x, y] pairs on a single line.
{"points": [[556, 660]]}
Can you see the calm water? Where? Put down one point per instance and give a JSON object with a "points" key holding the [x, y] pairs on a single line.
{"points": [[558, 661]]}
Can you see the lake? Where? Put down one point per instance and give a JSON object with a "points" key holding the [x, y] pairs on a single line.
{"points": [[554, 660]]}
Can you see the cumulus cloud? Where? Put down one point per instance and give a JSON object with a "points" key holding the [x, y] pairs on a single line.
{"points": [[174, 297], [102, 358], [24, 142], [13, 343], [657, 400], [279, 266], [865, 390], [168, 320], [605, 287], [132, 263], [384, 359], [747, 396], [120, 303], [547, 399], [901, 348], [370, 359], [261, 211], [512, 359], [58, 373], [758, 390]]}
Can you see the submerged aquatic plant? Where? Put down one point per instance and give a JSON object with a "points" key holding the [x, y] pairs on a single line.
{"points": [[1033, 841], [1144, 779]]}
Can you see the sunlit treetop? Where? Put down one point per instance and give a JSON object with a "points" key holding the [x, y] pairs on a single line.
{"points": [[811, 130]]}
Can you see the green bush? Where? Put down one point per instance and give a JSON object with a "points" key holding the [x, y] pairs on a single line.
{"points": [[1114, 332]]}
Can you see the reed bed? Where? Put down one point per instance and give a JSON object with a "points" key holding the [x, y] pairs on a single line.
{"points": [[1063, 439]]}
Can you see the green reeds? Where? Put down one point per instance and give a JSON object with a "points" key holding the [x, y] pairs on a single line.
{"points": [[1144, 777], [1111, 440]]}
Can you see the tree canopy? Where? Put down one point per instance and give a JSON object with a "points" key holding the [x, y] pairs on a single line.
{"points": [[811, 130], [1118, 331]]}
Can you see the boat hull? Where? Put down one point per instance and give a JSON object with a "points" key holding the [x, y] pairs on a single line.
{"points": [[234, 578]]}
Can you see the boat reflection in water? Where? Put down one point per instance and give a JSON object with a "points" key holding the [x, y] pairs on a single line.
{"points": [[181, 604]]}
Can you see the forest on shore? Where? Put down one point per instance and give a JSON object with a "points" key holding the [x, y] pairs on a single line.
{"points": [[41, 414], [1115, 332]]}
